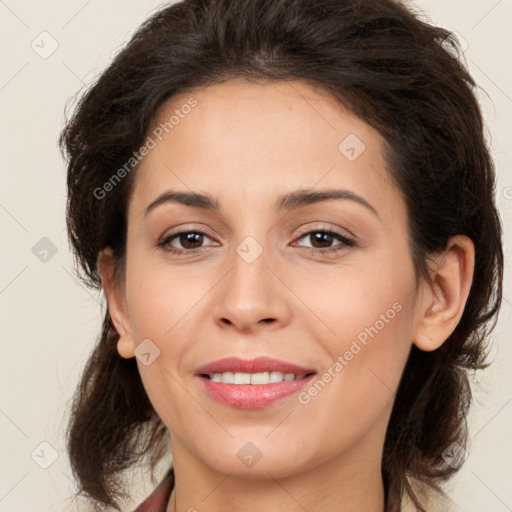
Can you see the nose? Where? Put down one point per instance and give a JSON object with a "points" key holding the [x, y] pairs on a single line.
{"points": [[253, 295]]}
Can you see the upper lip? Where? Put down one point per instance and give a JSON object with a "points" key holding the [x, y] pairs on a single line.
{"points": [[260, 364]]}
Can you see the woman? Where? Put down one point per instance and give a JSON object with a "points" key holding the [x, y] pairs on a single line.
{"points": [[289, 206]]}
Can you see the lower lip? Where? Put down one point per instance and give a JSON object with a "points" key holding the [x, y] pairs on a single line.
{"points": [[253, 396]]}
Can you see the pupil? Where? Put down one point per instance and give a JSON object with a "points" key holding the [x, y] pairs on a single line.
{"points": [[189, 238], [319, 236]]}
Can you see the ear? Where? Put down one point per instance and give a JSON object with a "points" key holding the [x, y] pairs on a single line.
{"points": [[442, 302], [116, 301]]}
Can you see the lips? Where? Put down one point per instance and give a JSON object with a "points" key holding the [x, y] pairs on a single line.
{"points": [[260, 364], [226, 380]]}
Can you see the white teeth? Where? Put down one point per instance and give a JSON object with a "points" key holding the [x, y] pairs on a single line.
{"points": [[277, 376], [227, 377], [260, 378], [253, 378], [242, 378]]}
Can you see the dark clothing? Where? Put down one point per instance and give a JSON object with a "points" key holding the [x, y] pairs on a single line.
{"points": [[157, 501]]}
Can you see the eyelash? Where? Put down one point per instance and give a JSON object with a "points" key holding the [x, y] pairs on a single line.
{"points": [[346, 242]]}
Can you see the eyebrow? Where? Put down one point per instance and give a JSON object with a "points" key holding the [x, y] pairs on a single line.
{"points": [[290, 201]]}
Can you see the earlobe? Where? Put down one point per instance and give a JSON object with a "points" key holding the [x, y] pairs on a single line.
{"points": [[125, 347], [443, 301], [116, 302]]}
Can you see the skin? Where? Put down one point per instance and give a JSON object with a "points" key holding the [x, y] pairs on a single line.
{"points": [[245, 144]]}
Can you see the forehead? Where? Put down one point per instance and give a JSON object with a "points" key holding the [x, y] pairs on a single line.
{"points": [[260, 139]]}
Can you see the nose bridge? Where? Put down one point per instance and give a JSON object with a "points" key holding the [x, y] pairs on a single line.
{"points": [[251, 293], [248, 280]]}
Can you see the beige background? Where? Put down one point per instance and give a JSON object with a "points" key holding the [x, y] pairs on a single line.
{"points": [[49, 321]]}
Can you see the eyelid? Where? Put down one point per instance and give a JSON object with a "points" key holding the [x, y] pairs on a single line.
{"points": [[340, 231], [302, 231], [345, 242], [186, 229], [164, 240]]}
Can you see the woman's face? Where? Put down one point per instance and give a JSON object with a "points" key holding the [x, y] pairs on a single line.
{"points": [[259, 277]]}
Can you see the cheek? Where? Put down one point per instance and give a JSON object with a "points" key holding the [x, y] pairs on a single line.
{"points": [[366, 311], [375, 350], [164, 307], [370, 320], [355, 392], [162, 316], [161, 303]]}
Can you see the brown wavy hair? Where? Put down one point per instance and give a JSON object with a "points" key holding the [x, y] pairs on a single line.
{"points": [[401, 75]]}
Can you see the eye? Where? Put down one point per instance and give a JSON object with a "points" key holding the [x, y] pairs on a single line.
{"points": [[322, 239], [190, 241]]}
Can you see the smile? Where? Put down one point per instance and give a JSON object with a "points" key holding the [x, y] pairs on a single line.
{"points": [[253, 378]]}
